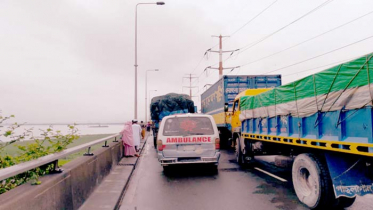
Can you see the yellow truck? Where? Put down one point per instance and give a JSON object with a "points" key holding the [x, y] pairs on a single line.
{"points": [[233, 116]]}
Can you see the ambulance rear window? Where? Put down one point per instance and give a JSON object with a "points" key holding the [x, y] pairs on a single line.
{"points": [[183, 126]]}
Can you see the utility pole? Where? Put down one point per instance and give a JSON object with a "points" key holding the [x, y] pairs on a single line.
{"points": [[190, 77], [221, 56]]}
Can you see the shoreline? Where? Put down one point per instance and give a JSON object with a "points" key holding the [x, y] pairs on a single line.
{"points": [[13, 150]]}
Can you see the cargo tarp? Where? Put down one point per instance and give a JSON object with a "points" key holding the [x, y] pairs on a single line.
{"points": [[172, 103], [346, 86]]}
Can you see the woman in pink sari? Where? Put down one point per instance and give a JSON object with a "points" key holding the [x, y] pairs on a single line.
{"points": [[127, 139]]}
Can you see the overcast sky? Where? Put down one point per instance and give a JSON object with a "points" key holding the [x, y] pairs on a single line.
{"points": [[73, 61]]}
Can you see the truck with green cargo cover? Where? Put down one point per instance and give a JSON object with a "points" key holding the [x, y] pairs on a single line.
{"points": [[324, 122]]}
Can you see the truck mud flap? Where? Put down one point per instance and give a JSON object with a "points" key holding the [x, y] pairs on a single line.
{"points": [[350, 175]]}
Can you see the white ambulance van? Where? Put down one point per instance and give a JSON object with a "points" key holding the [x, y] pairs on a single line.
{"points": [[188, 139]]}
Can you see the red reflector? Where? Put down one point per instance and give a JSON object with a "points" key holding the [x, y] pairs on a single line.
{"points": [[217, 143], [160, 146]]}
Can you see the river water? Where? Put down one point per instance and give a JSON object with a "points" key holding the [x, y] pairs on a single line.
{"points": [[83, 129]]}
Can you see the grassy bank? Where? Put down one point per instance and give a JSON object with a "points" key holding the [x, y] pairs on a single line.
{"points": [[12, 150]]}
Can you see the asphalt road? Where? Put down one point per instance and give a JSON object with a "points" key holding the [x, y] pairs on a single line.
{"points": [[197, 187]]}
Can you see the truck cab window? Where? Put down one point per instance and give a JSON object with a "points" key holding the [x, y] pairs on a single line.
{"points": [[235, 106]]}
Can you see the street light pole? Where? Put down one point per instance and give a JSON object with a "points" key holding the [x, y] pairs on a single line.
{"points": [[149, 94], [157, 3], [146, 89]]}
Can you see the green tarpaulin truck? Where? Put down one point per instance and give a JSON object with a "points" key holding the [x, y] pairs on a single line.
{"points": [[324, 122]]}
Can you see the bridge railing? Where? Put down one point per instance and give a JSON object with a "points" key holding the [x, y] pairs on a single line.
{"points": [[48, 159]]}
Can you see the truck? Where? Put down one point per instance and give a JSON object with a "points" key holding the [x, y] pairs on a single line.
{"points": [[169, 104], [222, 98], [324, 124]]}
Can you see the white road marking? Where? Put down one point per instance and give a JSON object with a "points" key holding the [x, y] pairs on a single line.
{"points": [[272, 175]]}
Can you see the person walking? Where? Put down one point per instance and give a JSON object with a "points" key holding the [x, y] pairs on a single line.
{"points": [[136, 130], [142, 130], [127, 140]]}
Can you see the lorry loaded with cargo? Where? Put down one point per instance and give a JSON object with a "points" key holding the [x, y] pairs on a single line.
{"points": [[219, 100], [165, 105], [324, 122]]}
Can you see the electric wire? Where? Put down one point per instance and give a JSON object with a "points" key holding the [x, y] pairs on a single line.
{"points": [[268, 36], [198, 64], [243, 49], [312, 38], [248, 22], [317, 56], [252, 19], [329, 64]]}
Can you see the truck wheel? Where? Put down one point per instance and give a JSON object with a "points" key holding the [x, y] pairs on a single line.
{"points": [[239, 155], [312, 182], [344, 202]]}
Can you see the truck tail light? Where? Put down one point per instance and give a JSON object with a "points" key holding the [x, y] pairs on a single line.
{"points": [[217, 143], [159, 145]]}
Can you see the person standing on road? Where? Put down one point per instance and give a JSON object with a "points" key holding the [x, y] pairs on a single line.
{"points": [[127, 140], [136, 129], [142, 130]]}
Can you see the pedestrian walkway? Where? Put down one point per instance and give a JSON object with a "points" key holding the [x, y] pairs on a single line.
{"points": [[108, 194]]}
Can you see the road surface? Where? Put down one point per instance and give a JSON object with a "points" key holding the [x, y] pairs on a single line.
{"points": [[197, 187]]}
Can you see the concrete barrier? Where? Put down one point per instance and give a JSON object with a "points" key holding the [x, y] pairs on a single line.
{"points": [[69, 189]]}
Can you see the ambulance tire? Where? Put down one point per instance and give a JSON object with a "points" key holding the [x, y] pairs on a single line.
{"points": [[155, 142], [312, 182], [214, 169], [344, 202], [166, 170]]}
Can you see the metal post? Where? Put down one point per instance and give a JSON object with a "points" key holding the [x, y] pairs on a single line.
{"points": [[115, 140], [56, 169], [89, 153], [190, 89], [157, 3], [105, 145], [146, 98], [146, 95], [220, 57], [150, 92], [135, 117]]}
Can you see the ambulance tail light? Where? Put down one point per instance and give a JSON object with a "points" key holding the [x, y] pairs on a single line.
{"points": [[159, 145], [217, 143]]}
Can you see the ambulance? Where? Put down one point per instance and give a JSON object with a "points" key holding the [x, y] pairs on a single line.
{"points": [[188, 139]]}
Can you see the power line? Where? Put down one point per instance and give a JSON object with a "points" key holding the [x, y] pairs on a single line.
{"points": [[190, 77], [220, 56], [300, 43], [205, 70], [369, 37], [338, 62], [198, 63], [294, 21], [254, 18]]}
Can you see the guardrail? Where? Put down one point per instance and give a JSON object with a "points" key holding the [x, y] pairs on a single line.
{"points": [[26, 166]]}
